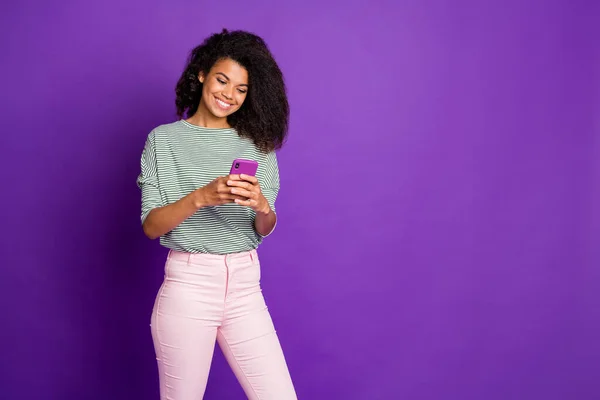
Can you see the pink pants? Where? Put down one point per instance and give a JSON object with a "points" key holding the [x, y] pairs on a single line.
{"points": [[206, 297]]}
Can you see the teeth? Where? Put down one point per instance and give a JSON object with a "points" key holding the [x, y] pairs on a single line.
{"points": [[223, 104]]}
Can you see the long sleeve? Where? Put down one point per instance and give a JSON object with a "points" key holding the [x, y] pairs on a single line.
{"points": [[271, 185], [147, 180]]}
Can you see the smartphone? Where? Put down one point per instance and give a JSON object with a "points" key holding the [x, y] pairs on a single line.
{"points": [[241, 166]]}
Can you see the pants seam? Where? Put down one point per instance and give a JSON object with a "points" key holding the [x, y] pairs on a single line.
{"points": [[237, 364], [160, 345]]}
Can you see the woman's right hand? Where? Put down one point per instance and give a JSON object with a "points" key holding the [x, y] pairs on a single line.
{"points": [[216, 193]]}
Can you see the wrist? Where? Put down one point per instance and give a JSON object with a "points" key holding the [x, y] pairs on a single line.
{"points": [[265, 209], [197, 198]]}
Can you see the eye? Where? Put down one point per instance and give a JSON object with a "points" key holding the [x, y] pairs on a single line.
{"points": [[221, 81], [242, 91]]}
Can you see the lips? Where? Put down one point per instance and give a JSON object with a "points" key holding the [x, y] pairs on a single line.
{"points": [[222, 105]]}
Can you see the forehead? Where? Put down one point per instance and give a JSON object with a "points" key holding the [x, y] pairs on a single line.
{"points": [[234, 71]]}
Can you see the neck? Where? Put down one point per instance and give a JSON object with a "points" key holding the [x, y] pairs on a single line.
{"points": [[206, 119]]}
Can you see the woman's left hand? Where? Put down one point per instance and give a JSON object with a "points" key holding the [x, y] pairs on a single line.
{"points": [[248, 186]]}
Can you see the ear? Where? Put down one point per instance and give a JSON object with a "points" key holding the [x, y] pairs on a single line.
{"points": [[201, 77]]}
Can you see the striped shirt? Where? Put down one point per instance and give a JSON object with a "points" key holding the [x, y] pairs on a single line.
{"points": [[180, 157]]}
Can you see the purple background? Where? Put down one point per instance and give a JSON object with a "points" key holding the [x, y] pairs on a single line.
{"points": [[439, 215]]}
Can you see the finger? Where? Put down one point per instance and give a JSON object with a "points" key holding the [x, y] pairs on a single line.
{"points": [[241, 184], [245, 193], [247, 203], [232, 198], [233, 177], [223, 188], [249, 178]]}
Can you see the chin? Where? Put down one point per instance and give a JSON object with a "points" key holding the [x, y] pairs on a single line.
{"points": [[221, 113]]}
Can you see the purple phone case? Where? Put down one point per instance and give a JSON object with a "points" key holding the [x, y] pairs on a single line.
{"points": [[241, 166]]}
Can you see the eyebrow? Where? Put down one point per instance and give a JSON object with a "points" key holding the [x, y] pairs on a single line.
{"points": [[226, 77]]}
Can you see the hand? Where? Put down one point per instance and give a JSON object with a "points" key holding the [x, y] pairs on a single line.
{"points": [[216, 193], [247, 186]]}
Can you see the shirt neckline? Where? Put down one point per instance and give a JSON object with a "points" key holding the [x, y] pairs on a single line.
{"points": [[204, 128]]}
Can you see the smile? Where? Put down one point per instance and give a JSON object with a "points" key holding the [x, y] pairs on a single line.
{"points": [[222, 104]]}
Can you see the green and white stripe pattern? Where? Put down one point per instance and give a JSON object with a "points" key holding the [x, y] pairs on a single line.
{"points": [[180, 157]]}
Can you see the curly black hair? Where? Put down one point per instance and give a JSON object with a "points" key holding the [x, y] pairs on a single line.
{"points": [[264, 115]]}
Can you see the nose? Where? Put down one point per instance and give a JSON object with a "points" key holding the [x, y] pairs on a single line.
{"points": [[227, 92]]}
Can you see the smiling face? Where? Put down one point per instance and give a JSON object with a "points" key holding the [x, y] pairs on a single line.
{"points": [[224, 88]]}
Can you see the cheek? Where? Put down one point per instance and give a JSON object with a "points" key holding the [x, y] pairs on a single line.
{"points": [[240, 99], [207, 89]]}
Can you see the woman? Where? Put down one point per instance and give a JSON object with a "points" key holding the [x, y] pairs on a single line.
{"points": [[232, 103]]}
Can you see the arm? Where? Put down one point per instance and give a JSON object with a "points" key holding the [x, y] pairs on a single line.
{"points": [[249, 189], [265, 222], [162, 220], [260, 199], [159, 218]]}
